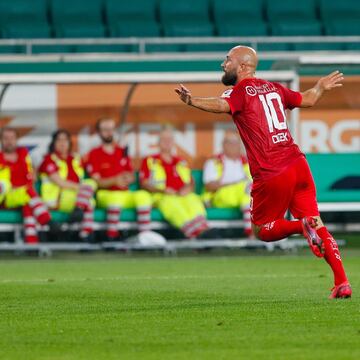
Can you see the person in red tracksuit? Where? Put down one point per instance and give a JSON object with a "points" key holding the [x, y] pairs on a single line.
{"points": [[282, 178]]}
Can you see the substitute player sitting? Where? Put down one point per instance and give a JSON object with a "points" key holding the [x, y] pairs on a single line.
{"points": [[111, 167], [281, 175], [22, 193], [168, 178], [63, 186], [227, 179]]}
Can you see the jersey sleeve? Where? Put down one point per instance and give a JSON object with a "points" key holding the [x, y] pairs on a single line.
{"points": [[91, 165], [235, 99], [144, 170], [48, 166], [210, 173], [292, 98]]}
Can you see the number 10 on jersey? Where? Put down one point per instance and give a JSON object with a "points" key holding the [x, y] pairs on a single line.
{"points": [[272, 116]]}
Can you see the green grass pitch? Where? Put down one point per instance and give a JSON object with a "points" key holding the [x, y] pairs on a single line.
{"points": [[249, 307]]}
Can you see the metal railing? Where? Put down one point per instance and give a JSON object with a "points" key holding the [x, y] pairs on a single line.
{"points": [[141, 44]]}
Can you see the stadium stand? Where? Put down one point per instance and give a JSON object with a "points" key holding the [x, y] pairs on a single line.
{"points": [[100, 19]]}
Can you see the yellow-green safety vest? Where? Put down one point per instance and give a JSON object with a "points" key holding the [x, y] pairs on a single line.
{"points": [[158, 174], [50, 192]]}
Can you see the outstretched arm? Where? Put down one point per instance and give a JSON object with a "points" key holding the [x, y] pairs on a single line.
{"points": [[311, 97], [210, 104]]}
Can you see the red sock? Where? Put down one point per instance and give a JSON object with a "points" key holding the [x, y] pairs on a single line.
{"points": [[113, 217], [30, 233], [332, 255], [279, 229]]}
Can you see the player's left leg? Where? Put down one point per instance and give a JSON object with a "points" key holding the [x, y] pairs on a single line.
{"points": [[304, 206]]}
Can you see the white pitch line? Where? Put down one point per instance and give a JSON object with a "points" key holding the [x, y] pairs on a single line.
{"points": [[141, 278]]}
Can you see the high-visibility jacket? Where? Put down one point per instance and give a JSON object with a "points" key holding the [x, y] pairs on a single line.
{"points": [[50, 192], [154, 171], [219, 166], [5, 179]]}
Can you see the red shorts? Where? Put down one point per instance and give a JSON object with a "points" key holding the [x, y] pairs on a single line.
{"points": [[293, 190]]}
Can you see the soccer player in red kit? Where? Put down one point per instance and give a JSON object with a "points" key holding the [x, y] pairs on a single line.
{"points": [[281, 176]]}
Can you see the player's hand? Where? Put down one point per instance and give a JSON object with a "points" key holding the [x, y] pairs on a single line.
{"points": [[331, 81], [121, 181], [185, 190], [184, 94]]}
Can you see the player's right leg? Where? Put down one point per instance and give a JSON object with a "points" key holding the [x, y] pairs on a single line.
{"points": [[270, 200]]}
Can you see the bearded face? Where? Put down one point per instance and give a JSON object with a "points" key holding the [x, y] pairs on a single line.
{"points": [[229, 78]]}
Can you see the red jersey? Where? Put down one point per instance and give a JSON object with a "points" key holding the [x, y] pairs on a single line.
{"points": [[21, 171], [258, 110], [173, 178], [49, 167], [105, 165]]}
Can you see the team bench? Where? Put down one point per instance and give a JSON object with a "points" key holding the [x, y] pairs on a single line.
{"points": [[327, 170]]}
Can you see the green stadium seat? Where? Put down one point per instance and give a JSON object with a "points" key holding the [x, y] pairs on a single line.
{"points": [[23, 10], [184, 11], [279, 10], [238, 18], [188, 29], [235, 12], [135, 28], [138, 11], [22, 19], [343, 27], [244, 28], [185, 18], [273, 47], [80, 31], [339, 10], [78, 20], [26, 30], [295, 28]]}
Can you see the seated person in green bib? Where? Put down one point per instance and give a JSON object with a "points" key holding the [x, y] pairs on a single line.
{"points": [[63, 183], [227, 179], [168, 178]]}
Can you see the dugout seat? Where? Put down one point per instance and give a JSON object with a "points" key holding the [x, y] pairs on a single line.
{"points": [[326, 169]]}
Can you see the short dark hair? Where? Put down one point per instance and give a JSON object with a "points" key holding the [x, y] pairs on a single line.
{"points": [[100, 121], [55, 136], [9, 129]]}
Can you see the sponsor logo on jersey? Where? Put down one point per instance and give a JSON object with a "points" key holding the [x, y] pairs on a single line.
{"points": [[250, 90]]}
